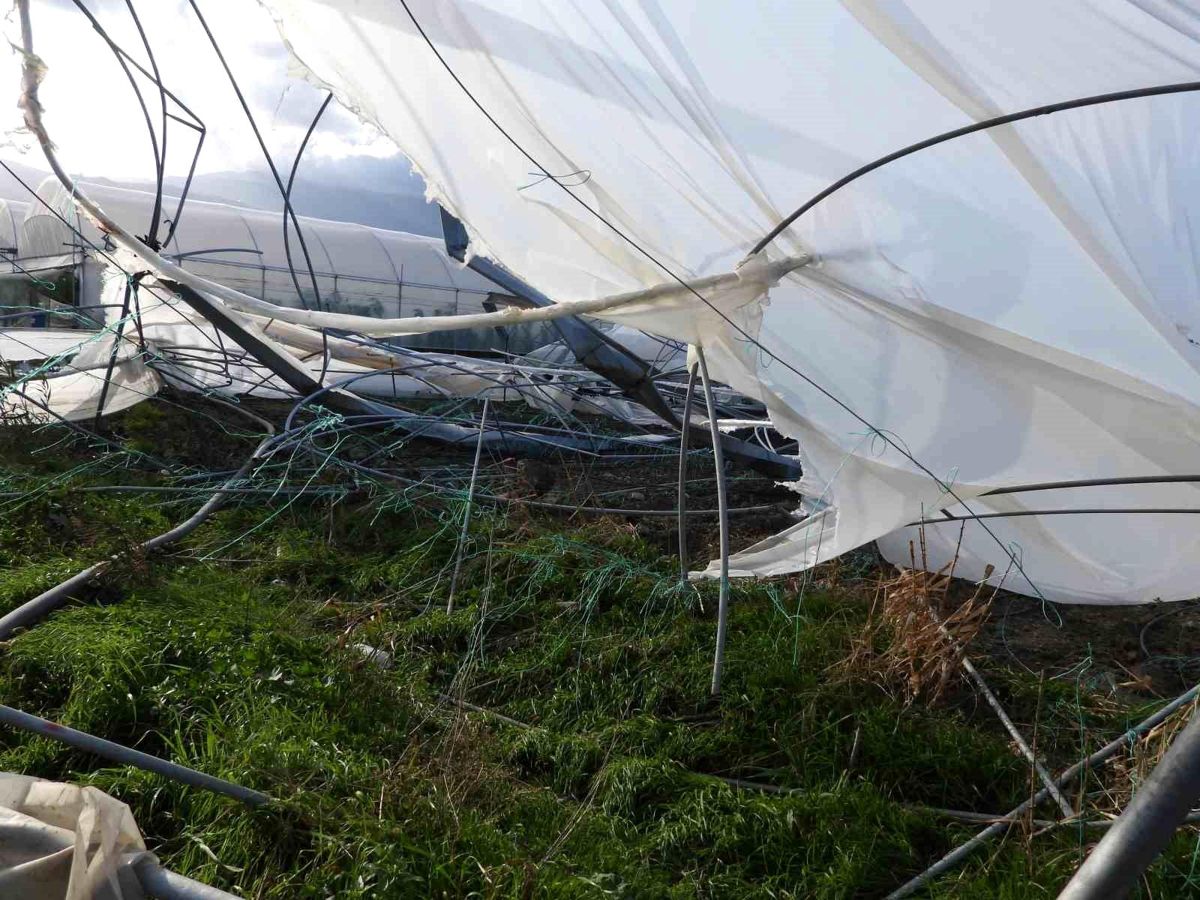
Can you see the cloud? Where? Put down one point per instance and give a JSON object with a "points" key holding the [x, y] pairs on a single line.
{"points": [[94, 116]]}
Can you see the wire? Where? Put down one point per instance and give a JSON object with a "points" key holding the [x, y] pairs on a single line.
{"points": [[287, 204], [728, 321], [1182, 87], [287, 193], [1124, 511], [160, 151], [1176, 608], [120, 55], [197, 124], [1093, 482]]}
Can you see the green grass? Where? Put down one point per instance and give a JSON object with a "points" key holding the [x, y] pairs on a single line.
{"points": [[234, 654]]}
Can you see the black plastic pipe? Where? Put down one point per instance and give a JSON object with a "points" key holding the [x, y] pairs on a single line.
{"points": [[1007, 119]]}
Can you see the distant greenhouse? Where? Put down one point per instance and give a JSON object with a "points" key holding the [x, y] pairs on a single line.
{"points": [[360, 270], [12, 214]]}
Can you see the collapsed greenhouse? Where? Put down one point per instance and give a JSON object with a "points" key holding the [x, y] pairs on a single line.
{"points": [[921, 275]]}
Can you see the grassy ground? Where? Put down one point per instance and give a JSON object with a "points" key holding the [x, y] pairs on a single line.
{"points": [[235, 654]]}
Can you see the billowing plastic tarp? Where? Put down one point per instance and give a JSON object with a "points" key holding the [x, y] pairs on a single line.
{"points": [[1013, 307], [77, 376], [64, 842]]}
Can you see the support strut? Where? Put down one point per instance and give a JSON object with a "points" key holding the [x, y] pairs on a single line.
{"points": [[681, 500], [1146, 826], [723, 514]]}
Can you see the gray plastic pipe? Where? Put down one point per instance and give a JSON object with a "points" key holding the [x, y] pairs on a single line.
{"points": [[961, 852], [723, 518], [45, 603], [1146, 826], [163, 884], [681, 499], [128, 756]]}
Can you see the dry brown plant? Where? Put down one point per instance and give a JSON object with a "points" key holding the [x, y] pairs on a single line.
{"points": [[914, 642], [1127, 772]]}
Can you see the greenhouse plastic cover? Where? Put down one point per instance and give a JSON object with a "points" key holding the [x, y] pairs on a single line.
{"points": [[192, 356], [358, 269], [88, 374], [1013, 307], [65, 842]]}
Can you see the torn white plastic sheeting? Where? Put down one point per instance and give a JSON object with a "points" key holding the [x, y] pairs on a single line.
{"points": [[1007, 308], [664, 355], [194, 357], [75, 396], [234, 299], [32, 344], [64, 842], [75, 389], [661, 293], [125, 242]]}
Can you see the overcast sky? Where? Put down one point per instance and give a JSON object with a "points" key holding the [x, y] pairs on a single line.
{"points": [[94, 118]]}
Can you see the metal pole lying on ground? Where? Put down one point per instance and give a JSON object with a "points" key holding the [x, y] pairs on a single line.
{"points": [[681, 503], [723, 516], [1018, 738], [958, 854], [128, 756], [1144, 829], [1005, 720], [45, 603], [462, 537], [163, 884]]}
